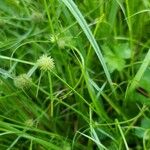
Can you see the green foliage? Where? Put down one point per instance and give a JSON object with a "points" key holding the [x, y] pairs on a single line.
{"points": [[116, 56], [74, 75]]}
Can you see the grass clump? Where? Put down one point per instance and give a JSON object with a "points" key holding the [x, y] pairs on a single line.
{"points": [[91, 88]]}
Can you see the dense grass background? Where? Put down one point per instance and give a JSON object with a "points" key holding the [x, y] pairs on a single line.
{"points": [[98, 95]]}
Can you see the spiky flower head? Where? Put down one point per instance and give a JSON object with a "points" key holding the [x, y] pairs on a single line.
{"points": [[22, 81], [46, 63]]}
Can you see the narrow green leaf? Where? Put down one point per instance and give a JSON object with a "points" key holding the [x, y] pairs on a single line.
{"points": [[140, 72], [80, 19]]}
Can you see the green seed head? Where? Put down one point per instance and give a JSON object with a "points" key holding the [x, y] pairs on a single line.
{"points": [[22, 81], [45, 63]]}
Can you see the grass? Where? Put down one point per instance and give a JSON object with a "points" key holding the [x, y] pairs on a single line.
{"points": [[98, 94]]}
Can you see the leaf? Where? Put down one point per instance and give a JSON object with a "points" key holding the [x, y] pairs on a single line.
{"points": [[140, 72], [123, 50], [115, 63], [81, 21], [145, 123], [114, 59], [139, 132], [145, 81], [144, 86]]}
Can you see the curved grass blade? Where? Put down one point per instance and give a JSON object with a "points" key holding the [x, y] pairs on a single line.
{"points": [[80, 19]]}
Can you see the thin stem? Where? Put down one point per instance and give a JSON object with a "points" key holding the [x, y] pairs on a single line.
{"points": [[51, 94], [37, 91], [122, 134], [49, 17]]}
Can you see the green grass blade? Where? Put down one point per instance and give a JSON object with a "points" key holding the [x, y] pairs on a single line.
{"points": [[140, 72], [122, 134], [80, 19]]}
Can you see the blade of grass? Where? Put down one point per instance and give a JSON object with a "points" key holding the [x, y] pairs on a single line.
{"points": [[140, 72], [80, 19], [17, 60], [122, 134], [100, 145]]}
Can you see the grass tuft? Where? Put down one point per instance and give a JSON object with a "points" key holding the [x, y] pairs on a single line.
{"points": [[74, 75]]}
